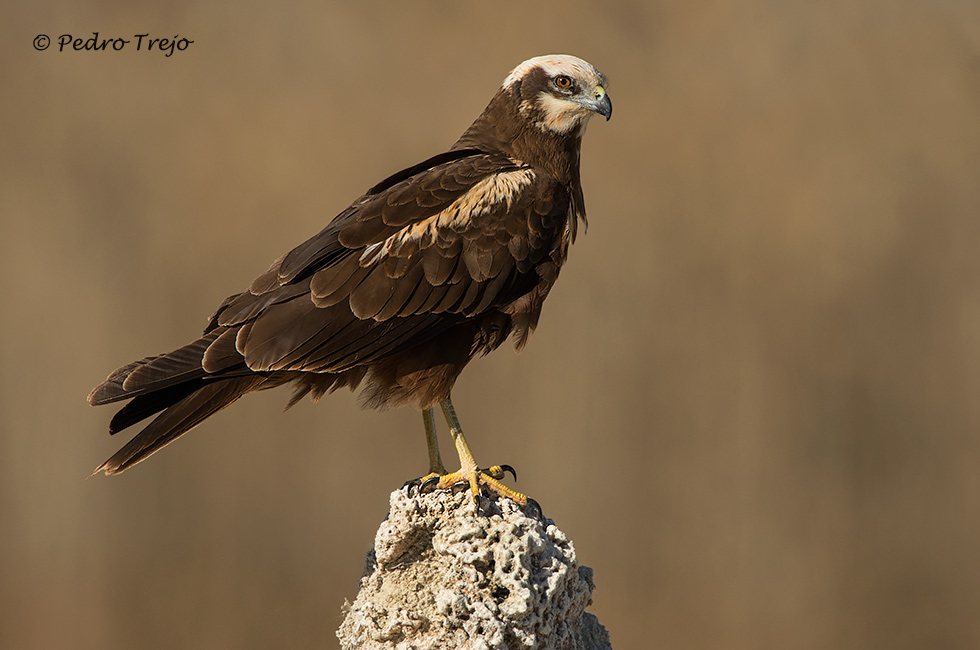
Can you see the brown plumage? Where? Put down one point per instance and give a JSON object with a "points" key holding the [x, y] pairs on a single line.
{"points": [[430, 267]]}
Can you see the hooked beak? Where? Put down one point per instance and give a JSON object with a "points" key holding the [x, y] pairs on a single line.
{"points": [[601, 104]]}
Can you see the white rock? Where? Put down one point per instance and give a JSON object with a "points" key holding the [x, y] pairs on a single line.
{"points": [[443, 575]]}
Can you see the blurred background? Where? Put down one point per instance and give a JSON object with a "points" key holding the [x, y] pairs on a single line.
{"points": [[752, 401]]}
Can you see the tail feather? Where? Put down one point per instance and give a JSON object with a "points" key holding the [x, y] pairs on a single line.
{"points": [[177, 419], [143, 406], [173, 368], [153, 374], [111, 390]]}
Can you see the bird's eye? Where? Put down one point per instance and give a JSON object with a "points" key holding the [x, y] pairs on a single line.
{"points": [[563, 82]]}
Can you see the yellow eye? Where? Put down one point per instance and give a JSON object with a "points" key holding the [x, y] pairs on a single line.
{"points": [[563, 82]]}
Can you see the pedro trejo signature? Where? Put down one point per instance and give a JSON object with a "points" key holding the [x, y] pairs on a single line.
{"points": [[140, 42]]}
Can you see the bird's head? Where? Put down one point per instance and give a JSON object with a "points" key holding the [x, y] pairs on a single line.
{"points": [[559, 92]]}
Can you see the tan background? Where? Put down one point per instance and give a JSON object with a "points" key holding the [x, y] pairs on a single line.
{"points": [[753, 401]]}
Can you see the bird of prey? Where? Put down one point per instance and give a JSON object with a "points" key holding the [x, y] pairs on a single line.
{"points": [[434, 265]]}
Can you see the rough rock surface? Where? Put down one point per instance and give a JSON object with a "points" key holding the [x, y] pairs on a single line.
{"points": [[442, 575]]}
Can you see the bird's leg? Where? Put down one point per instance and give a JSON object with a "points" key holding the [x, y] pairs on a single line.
{"points": [[469, 472], [436, 468]]}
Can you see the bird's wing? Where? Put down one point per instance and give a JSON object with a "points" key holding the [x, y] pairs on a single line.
{"points": [[421, 252]]}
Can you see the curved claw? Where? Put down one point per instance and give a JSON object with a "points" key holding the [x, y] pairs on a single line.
{"points": [[536, 510], [508, 468], [428, 484], [499, 471], [411, 483]]}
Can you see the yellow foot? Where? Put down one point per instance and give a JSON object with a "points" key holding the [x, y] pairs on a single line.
{"points": [[477, 478], [424, 483], [469, 473]]}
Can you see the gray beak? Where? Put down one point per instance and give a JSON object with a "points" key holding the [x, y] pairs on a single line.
{"points": [[600, 102], [603, 106]]}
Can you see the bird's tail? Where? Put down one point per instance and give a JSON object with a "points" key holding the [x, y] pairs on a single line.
{"points": [[179, 418], [176, 386]]}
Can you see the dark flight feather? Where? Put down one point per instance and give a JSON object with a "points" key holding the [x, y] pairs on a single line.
{"points": [[179, 418], [143, 406]]}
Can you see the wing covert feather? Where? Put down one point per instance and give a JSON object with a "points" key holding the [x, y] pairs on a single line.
{"points": [[419, 255]]}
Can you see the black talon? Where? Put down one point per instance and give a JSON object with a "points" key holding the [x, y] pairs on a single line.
{"points": [[499, 471], [536, 508], [408, 485], [424, 486], [508, 468]]}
